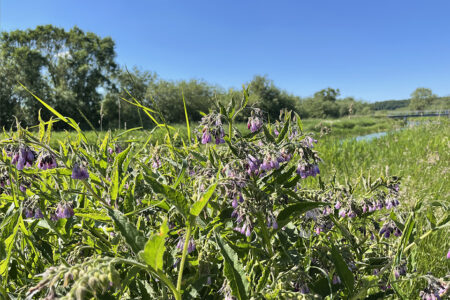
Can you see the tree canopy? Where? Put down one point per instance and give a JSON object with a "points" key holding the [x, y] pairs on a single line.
{"points": [[66, 68]]}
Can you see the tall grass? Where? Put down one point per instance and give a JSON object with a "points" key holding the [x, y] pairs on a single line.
{"points": [[421, 156]]}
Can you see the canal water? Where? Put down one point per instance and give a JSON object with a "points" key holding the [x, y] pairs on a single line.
{"points": [[369, 137]]}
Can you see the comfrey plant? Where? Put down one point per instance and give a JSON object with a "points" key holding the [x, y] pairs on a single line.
{"points": [[229, 214]]}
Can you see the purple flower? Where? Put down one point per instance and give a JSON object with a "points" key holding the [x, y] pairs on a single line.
{"points": [[206, 138], [156, 162], [274, 224], [351, 214], [219, 140], [248, 231], [47, 162], [79, 172], [28, 213], [448, 254], [254, 124], [191, 246], [338, 205], [342, 213], [64, 211], [336, 279], [307, 170], [24, 158], [309, 142], [38, 214], [180, 244]]}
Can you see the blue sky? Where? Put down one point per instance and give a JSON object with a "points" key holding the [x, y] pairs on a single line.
{"points": [[371, 50]]}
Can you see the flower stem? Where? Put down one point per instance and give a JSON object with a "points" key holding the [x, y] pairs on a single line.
{"points": [[183, 257]]}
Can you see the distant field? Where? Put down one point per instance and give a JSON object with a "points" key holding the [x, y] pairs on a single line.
{"points": [[340, 128]]}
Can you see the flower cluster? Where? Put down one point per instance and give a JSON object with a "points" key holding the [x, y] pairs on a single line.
{"points": [[33, 213], [255, 122], [212, 129], [46, 161], [308, 142], [400, 271], [305, 170], [245, 226], [191, 244], [24, 157], [79, 172], [390, 228], [117, 149], [436, 290], [63, 211]]}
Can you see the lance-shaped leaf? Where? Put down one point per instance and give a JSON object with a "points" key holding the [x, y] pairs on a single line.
{"points": [[293, 210], [283, 132], [198, 206], [173, 196], [153, 253], [342, 269], [9, 244], [233, 270], [133, 237]]}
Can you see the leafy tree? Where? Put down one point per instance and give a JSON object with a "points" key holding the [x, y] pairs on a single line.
{"points": [[327, 94], [128, 85], [265, 95], [66, 68], [168, 96], [421, 98]]}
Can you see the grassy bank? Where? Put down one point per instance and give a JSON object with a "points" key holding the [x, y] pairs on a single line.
{"points": [[421, 156], [338, 128]]}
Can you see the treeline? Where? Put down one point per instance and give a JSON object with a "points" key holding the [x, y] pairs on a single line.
{"points": [[76, 73]]}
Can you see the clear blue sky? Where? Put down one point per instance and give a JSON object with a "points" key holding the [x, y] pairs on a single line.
{"points": [[372, 50]]}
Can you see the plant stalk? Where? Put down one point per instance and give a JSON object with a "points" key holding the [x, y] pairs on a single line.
{"points": [[183, 257]]}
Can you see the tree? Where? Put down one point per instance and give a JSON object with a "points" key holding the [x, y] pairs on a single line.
{"points": [[327, 94], [421, 98], [128, 85], [66, 68], [265, 95]]}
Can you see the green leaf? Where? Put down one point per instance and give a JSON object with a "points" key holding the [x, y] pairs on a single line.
{"points": [[198, 206], [293, 210], [283, 132], [233, 270], [342, 269], [268, 135], [105, 143], [41, 127], [120, 158], [153, 253], [409, 226], [9, 244], [133, 237], [92, 214], [115, 184], [299, 121], [173, 196], [187, 118]]}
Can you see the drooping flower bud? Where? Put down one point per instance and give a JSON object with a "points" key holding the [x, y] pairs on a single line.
{"points": [[79, 172]]}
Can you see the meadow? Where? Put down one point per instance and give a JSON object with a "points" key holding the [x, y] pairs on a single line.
{"points": [[288, 209]]}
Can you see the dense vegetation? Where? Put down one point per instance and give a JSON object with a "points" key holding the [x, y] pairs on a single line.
{"points": [[232, 212], [76, 72]]}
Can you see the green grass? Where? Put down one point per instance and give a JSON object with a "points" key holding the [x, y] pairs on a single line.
{"points": [[421, 156], [339, 128]]}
